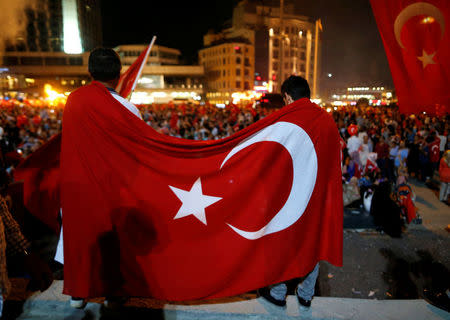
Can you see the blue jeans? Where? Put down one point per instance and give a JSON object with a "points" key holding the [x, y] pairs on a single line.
{"points": [[305, 289], [1, 303]]}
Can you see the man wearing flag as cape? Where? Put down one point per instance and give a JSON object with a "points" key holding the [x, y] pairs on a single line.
{"points": [[156, 216]]}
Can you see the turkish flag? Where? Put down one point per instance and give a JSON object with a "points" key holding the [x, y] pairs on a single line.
{"points": [[40, 170], [416, 37], [40, 174], [152, 215], [128, 79]]}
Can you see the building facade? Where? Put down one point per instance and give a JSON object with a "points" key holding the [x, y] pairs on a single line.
{"points": [[284, 43], [71, 26], [163, 79], [229, 69], [375, 95]]}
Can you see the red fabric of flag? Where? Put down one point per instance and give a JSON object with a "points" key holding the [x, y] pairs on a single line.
{"points": [[416, 37], [40, 171], [128, 78], [153, 215]]}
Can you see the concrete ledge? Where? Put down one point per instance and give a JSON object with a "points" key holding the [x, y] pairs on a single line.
{"points": [[51, 304]]}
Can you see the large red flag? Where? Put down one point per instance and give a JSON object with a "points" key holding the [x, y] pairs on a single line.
{"points": [[40, 171], [416, 37], [152, 215]]}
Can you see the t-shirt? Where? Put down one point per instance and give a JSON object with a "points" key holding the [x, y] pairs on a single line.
{"points": [[382, 150], [353, 144]]}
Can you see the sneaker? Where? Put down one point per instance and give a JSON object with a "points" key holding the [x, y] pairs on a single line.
{"points": [[77, 303], [303, 302], [265, 293], [114, 302]]}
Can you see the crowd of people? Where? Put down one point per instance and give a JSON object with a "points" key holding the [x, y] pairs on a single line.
{"points": [[382, 150], [378, 144]]}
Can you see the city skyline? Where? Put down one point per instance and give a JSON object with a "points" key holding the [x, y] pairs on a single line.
{"points": [[352, 49]]}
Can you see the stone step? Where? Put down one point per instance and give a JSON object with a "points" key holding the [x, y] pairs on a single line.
{"points": [[52, 305]]}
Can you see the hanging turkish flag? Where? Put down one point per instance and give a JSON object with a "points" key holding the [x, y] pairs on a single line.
{"points": [[416, 37], [40, 171], [152, 215]]}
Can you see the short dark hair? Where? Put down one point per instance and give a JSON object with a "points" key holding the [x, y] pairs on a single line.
{"points": [[104, 64], [297, 87]]}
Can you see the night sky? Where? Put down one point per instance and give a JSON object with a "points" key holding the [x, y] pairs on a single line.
{"points": [[352, 49]]}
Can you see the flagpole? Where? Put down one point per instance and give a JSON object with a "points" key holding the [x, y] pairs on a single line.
{"points": [[143, 64]]}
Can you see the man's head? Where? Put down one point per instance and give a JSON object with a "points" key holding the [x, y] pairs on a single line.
{"points": [[295, 88], [105, 66]]}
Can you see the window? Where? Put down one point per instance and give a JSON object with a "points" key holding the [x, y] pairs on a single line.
{"points": [[238, 84], [238, 60], [275, 54], [224, 85], [246, 50], [286, 30], [303, 55], [276, 42], [32, 61], [246, 72], [224, 61], [55, 61], [237, 49], [275, 66], [10, 61], [286, 53], [223, 73], [246, 62], [238, 72], [286, 65], [246, 85], [302, 68]]}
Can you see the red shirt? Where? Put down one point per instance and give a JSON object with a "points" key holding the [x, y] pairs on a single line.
{"points": [[382, 150]]}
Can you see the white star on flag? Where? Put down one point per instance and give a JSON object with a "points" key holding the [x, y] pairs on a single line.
{"points": [[427, 58], [193, 201]]}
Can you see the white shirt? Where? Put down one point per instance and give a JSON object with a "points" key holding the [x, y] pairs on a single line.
{"points": [[127, 104], [443, 142], [353, 144]]}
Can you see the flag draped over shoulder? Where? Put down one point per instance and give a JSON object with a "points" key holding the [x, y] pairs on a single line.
{"points": [[416, 37], [152, 215], [40, 171]]}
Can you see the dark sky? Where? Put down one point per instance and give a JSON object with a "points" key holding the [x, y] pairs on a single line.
{"points": [[352, 49]]}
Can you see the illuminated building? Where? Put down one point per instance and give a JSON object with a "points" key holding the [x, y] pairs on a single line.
{"points": [[284, 42], [376, 95], [72, 26], [229, 69], [162, 80]]}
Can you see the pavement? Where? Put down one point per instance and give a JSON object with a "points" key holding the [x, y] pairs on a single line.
{"points": [[382, 304], [52, 305]]}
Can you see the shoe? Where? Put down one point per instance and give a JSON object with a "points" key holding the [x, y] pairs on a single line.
{"points": [[265, 293], [303, 302], [114, 302], [77, 303]]}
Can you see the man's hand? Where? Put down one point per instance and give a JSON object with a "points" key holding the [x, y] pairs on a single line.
{"points": [[41, 275]]}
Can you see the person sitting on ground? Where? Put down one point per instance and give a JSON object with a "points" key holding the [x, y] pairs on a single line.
{"points": [[444, 176]]}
